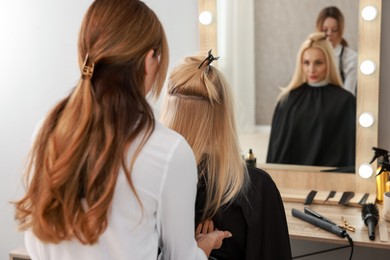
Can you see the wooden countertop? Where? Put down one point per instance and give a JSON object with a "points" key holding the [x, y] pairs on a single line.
{"points": [[302, 230], [299, 229]]}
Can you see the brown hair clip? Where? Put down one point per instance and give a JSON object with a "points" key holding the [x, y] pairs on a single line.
{"points": [[87, 71]]}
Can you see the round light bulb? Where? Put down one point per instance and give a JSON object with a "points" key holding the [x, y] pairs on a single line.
{"points": [[365, 170], [366, 119], [205, 17], [367, 67], [369, 13]]}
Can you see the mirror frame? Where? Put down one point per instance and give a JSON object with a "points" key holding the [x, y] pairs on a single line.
{"points": [[308, 178]]}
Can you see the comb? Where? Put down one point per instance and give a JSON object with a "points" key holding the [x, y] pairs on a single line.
{"points": [[310, 197], [363, 199], [346, 197], [330, 195]]}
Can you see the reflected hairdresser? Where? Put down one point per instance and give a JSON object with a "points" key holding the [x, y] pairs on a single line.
{"points": [[331, 21]]}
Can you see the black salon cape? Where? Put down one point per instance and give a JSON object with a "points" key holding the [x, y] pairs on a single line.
{"points": [[314, 126], [257, 222]]}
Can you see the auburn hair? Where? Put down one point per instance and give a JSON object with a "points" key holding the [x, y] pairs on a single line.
{"points": [[82, 145]]}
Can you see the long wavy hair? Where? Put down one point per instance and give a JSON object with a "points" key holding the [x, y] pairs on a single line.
{"points": [[333, 12], [83, 143], [314, 40], [199, 106]]}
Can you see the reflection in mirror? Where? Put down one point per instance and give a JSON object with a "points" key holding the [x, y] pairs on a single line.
{"points": [[278, 31], [314, 120], [230, 27], [280, 28]]}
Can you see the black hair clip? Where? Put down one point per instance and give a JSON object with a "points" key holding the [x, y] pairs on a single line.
{"points": [[209, 58]]}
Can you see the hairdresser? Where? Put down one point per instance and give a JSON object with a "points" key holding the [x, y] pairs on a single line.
{"points": [[104, 179]]}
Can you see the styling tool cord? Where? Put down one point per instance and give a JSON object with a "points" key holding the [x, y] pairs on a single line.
{"points": [[350, 244], [331, 249]]}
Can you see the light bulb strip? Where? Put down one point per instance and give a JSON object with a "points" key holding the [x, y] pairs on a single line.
{"points": [[366, 170], [369, 13]]}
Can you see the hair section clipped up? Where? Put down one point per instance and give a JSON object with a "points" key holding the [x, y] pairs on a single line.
{"points": [[200, 107]]}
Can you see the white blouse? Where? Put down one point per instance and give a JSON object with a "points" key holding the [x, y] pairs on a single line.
{"points": [[165, 177], [349, 60]]}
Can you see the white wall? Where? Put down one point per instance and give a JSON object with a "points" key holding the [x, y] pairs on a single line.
{"points": [[38, 66]]}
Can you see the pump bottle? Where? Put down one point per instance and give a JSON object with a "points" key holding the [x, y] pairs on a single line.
{"points": [[250, 158]]}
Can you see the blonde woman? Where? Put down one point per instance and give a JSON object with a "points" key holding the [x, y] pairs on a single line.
{"points": [[331, 21], [241, 199], [314, 120], [105, 181]]}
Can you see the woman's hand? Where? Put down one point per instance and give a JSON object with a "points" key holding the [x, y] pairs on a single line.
{"points": [[207, 238], [205, 227]]}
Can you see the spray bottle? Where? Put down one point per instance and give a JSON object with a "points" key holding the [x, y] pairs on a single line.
{"points": [[386, 168], [382, 172]]}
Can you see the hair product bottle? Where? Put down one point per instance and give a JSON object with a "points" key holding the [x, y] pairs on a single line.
{"points": [[382, 173], [250, 158], [386, 168]]}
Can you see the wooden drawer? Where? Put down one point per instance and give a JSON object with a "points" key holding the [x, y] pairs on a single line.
{"points": [[19, 254]]}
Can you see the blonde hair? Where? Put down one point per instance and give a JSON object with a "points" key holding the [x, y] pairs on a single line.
{"points": [[199, 106], [84, 140], [314, 40]]}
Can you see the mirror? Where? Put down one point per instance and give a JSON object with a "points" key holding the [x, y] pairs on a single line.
{"points": [[368, 87], [275, 53]]}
